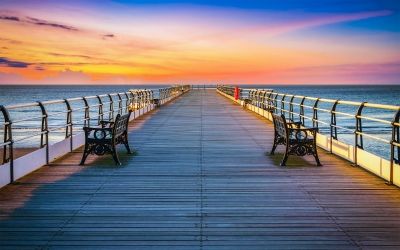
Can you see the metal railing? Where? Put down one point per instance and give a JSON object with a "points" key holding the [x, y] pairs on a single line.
{"points": [[204, 86], [229, 90], [58, 120], [362, 121]]}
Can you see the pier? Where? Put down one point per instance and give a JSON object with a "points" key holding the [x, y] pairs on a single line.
{"points": [[201, 179]]}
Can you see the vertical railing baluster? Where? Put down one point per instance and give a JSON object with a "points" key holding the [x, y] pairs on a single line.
{"points": [[301, 114], [44, 135], [147, 100], [333, 128], [100, 116], [283, 112], [140, 99], [152, 97], [127, 102], [315, 114], [291, 110], [8, 155], [395, 143], [87, 112], [132, 101], [68, 124], [270, 102], [119, 104], [276, 103], [265, 100], [359, 142], [110, 108], [260, 99]]}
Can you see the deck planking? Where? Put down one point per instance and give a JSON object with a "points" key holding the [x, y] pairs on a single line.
{"points": [[201, 180]]}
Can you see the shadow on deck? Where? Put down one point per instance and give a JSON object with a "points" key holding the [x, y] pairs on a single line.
{"points": [[200, 180]]}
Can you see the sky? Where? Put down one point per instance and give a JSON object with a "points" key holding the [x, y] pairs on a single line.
{"points": [[229, 42]]}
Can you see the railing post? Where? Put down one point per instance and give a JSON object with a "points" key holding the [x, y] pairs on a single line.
{"points": [[147, 100], [264, 100], [144, 100], [100, 116], [283, 104], [68, 125], [359, 142], [44, 135], [395, 143], [333, 127], [315, 114], [276, 104], [132, 100], [261, 99], [291, 110], [258, 98], [301, 114], [111, 108], [87, 113], [8, 156], [140, 100], [127, 102], [270, 102], [119, 104]]}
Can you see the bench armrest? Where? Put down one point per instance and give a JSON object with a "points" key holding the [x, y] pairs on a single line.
{"points": [[305, 129], [98, 133], [105, 123], [302, 133], [297, 124]]}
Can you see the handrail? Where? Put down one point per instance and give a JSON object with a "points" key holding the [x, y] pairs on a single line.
{"points": [[310, 109], [46, 117]]}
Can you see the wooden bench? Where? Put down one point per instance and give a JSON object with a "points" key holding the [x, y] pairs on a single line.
{"points": [[102, 140], [298, 141]]}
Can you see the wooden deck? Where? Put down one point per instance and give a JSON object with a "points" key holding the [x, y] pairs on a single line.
{"points": [[201, 180]]}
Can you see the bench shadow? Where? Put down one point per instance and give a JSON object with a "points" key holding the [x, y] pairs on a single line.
{"points": [[293, 161]]}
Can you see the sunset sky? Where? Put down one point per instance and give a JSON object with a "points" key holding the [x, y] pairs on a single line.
{"points": [[270, 41]]}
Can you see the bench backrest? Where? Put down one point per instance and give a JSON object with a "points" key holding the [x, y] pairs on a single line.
{"points": [[280, 125], [121, 124]]}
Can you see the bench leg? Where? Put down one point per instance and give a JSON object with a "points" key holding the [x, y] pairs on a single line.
{"points": [[273, 149], [126, 143], [274, 146], [315, 153], [115, 156], [285, 158], [84, 156], [316, 157], [128, 148]]}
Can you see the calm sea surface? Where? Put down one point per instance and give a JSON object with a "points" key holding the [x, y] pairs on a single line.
{"points": [[373, 94]]}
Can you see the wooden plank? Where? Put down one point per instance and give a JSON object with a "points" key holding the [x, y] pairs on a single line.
{"points": [[201, 180]]}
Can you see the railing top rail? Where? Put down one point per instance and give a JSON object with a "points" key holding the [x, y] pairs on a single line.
{"points": [[58, 101], [353, 103]]}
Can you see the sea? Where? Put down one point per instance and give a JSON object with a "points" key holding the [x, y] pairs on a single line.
{"points": [[382, 94]]}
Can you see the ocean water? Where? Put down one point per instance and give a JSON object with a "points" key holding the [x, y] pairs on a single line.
{"points": [[373, 94], [26, 94]]}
